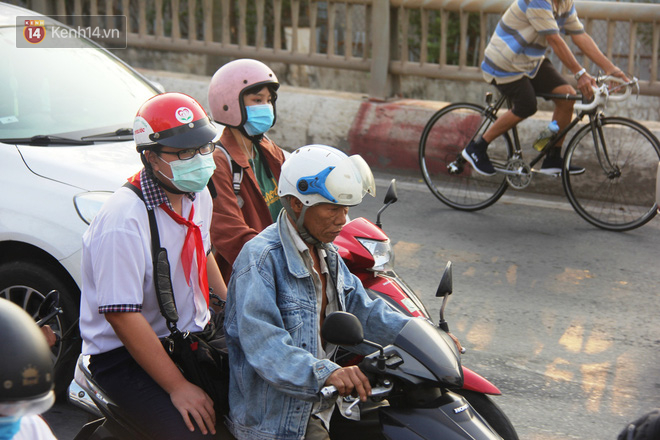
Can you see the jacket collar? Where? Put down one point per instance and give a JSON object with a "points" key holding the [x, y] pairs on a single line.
{"points": [[293, 257], [292, 252]]}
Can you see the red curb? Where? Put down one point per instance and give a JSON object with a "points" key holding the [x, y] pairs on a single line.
{"points": [[386, 134]]}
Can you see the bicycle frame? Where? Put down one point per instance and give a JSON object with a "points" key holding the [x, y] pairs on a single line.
{"points": [[593, 114]]}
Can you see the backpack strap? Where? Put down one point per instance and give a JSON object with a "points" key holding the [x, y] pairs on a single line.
{"points": [[162, 277], [236, 170]]}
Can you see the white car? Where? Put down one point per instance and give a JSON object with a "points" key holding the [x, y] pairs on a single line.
{"points": [[66, 144]]}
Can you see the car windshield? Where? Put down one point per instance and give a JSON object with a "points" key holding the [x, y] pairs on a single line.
{"points": [[68, 92]]}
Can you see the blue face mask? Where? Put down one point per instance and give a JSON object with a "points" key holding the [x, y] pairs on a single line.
{"points": [[259, 119], [9, 427], [191, 175]]}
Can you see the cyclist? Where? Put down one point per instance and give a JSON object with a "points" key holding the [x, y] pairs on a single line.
{"points": [[515, 63], [242, 97], [120, 319], [26, 374]]}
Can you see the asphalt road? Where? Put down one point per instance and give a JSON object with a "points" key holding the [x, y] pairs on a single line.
{"points": [[561, 316]]}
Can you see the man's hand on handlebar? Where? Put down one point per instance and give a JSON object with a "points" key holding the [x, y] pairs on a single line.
{"points": [[618, 73], [585, 84], [349, 379], [619, 84]]}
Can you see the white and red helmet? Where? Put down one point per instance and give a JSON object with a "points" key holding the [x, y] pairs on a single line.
{"points": [[172, 119], [229, 84]]}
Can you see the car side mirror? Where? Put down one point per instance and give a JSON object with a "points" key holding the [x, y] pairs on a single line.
{"points": [[342, 328]]}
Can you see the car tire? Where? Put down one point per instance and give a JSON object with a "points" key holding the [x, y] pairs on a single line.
{"points": [[26, 283]]}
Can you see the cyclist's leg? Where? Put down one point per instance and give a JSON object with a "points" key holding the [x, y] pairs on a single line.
{"points": [[522, 95], [505, 122], [549, 80], [519, 92]]}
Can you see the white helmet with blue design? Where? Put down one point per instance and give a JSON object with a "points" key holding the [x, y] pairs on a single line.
{"points": [[321, 174]]}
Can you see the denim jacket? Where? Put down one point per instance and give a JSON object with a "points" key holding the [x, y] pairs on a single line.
{"points": [[272, 325]]}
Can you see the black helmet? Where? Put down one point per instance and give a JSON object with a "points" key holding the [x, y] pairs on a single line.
{"points": [[647, 427], [26, 370]]}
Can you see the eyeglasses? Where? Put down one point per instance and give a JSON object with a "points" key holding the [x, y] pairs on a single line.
{"points": [[191, 152]]}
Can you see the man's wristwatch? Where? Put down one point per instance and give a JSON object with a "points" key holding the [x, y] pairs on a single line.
{"points": [[580, 72]]}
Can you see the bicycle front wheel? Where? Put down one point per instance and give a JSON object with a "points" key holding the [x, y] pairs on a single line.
{"points": [[617, 190], [449, 177]]}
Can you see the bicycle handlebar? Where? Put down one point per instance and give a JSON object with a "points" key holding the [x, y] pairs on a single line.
{"points": [[602, 93]]}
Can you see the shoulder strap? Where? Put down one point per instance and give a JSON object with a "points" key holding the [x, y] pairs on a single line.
{"points": [[162, 278], [236, 170]]}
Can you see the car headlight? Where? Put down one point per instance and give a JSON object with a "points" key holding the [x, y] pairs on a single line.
{"points": [[382, 253], [89, 203]]}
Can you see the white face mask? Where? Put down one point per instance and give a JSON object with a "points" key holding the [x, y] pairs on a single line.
{"points": [[191, 175]]}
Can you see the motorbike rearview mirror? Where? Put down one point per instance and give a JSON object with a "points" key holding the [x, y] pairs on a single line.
{"points": [[446, 286], [390, 197], [342, 328], [49, 308], [50, 302]]}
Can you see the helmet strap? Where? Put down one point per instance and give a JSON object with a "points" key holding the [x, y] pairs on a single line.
{"points": [[299, 222]]}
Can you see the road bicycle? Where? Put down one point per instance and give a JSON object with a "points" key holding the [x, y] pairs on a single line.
{"points": [[620, 155]]}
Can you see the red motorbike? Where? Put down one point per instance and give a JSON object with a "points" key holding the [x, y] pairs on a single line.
{"points": [[368, 253]]}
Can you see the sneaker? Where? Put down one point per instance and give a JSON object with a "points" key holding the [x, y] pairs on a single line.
{"points": [[478, 159], [552, 166]]}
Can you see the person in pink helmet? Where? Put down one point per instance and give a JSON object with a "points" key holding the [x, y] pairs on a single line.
{"points": [[242, 97]]}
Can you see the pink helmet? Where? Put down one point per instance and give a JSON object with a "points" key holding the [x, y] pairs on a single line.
{"points": [[230, 82]]}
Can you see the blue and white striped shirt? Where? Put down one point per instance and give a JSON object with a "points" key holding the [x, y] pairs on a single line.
{"points": [[519, 43]]}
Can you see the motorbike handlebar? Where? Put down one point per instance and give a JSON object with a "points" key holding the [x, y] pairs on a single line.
{"points": [[329, 392], [379, 390]]}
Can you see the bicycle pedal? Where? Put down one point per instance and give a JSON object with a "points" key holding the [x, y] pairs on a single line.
{"points": [[545, 173]]}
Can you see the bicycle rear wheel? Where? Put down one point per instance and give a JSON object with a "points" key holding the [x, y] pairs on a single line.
{"points": [[617, 190], [449, 177]]}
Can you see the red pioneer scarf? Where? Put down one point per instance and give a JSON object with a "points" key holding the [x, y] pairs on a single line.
{"points": [[193, 243]]}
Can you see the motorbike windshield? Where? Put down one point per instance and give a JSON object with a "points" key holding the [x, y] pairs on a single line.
{"points": [[350, 180], [434, 349]]}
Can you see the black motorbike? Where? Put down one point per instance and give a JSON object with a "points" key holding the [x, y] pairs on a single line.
{"points": [[411, 382]]}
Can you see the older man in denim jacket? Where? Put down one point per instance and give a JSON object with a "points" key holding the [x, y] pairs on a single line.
{"points": [[285, 281]]}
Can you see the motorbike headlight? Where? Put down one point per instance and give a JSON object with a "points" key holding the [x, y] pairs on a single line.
{"points": [[382, 253], [89, 203]]}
